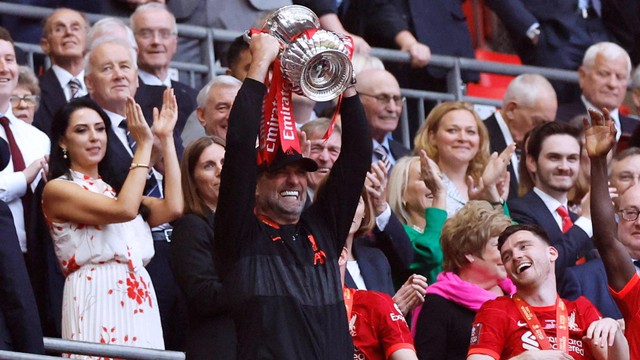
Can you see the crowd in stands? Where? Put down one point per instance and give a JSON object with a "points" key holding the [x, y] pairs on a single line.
{"points": [[146, 215]]}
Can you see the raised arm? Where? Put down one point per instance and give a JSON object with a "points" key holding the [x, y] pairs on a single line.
{"points": [[239, 174], [599, 140], [62, 202], [171, 206]]}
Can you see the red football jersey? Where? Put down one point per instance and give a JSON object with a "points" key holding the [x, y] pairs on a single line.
{"points": [[377, 326], [500, 331], [628, 300]]}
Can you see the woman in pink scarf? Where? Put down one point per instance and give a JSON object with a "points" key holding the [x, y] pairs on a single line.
{"points": [[473, 273]]}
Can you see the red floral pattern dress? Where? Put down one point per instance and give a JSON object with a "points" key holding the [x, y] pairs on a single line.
{"points": [[108, 295]]}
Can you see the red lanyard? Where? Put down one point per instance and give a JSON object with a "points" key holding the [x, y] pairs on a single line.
{"points": [[562, 324], [348, 300]]}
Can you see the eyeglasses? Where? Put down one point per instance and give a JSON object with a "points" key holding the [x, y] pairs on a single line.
{"points": [[62, 29], [383, 99], [630, 214], [29, 100], [147, 34]]}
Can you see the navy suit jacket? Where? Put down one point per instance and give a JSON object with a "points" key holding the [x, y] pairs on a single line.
{"points": [[566, 112], [186, 98], [51, 100], [497, 143], [571, 245], [559, 21], [374, 268], [19, 321], [590, 280], [397, 149]]}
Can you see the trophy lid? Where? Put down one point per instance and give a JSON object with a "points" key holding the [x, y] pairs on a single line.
{"points": [[290, 21]]}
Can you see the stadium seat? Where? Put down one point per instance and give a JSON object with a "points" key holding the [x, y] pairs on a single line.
{"points": [[493, 85]]}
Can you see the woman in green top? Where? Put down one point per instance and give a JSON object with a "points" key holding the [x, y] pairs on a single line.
{"points": [[417, 196]]}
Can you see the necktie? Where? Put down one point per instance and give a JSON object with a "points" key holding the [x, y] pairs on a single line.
{"points": [[151, 187], [130, 140], [16, 154], [74, 86], [382, 155], [566, 219]]}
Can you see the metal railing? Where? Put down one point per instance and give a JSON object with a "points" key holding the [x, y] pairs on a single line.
{"points": [[109, 350], [208, 68]]}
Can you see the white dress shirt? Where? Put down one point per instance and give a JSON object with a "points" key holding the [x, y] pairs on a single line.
{"points": [[150, 79], [64, 76], [33, 144], [553, 204]]}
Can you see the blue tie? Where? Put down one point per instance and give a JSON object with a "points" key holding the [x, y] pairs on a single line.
{"points": [[152, 187]]}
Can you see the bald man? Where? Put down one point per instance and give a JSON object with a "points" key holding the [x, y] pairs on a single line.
{"points": [[529, 101], [380, 95]]}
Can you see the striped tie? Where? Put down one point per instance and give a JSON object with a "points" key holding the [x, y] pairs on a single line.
{"points": [[74, 86], [152, 187], [382, 155]]}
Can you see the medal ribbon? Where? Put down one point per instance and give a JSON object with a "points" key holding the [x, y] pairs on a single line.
{"points": [[562, 324]]}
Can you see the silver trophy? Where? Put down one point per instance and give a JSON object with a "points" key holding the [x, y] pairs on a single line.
{"points": [[318, 66]]}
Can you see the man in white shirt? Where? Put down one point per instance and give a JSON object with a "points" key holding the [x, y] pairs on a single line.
{"points": [[156, 34], [603, 77], [63, 40], [528, 102], [553, 159], [29, 146]]}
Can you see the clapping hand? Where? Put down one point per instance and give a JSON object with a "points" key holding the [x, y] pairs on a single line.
{"points": [[164, 121], [137, 125], [376, 186]]}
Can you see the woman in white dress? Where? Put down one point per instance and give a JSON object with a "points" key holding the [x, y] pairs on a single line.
{"points": [[101, 241]]}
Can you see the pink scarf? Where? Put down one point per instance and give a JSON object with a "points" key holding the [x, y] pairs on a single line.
{"points": [[451, 287]]}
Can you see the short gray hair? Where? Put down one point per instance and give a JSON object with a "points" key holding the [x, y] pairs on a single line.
{"points": [[526, 89], [111, 40], [220, 80], [102, 28], [635, 79], [153, 6], [609, 50]]}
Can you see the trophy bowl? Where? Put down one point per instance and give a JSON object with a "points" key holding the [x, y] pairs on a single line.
{"points": [[318, 67], [290, 21]]}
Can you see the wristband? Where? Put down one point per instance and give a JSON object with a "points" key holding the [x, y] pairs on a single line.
{"points": [[135, 166]]}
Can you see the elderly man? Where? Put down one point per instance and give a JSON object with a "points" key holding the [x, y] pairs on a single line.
{"points": [[617, 243], [110, 89], [63, 40], [156, 34], [529, 101], [278, 261], [214, 104], [380, 95], [604, 76]]}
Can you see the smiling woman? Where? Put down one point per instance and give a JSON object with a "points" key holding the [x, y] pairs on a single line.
{"points": [[455, 137], [101, 241], [473, 273]]}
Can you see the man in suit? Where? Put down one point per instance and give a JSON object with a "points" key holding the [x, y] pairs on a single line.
{"points": [[553, 158], [380, 95], [19, 321], [156, 34], [528, 102], [110, 89], [603, 77], [552, 33], [63, 40]]}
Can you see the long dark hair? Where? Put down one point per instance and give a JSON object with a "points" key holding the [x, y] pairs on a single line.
{"points": [[58, 165]]}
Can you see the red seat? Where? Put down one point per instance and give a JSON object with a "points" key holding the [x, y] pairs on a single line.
{"points": [[493, 86]]}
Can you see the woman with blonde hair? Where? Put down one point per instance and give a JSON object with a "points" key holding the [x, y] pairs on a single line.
{"points": [[455, 137], [473, 274], [418, 198]]}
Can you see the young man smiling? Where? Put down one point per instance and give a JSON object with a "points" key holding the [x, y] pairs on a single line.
{"points": [[536, 323]]}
